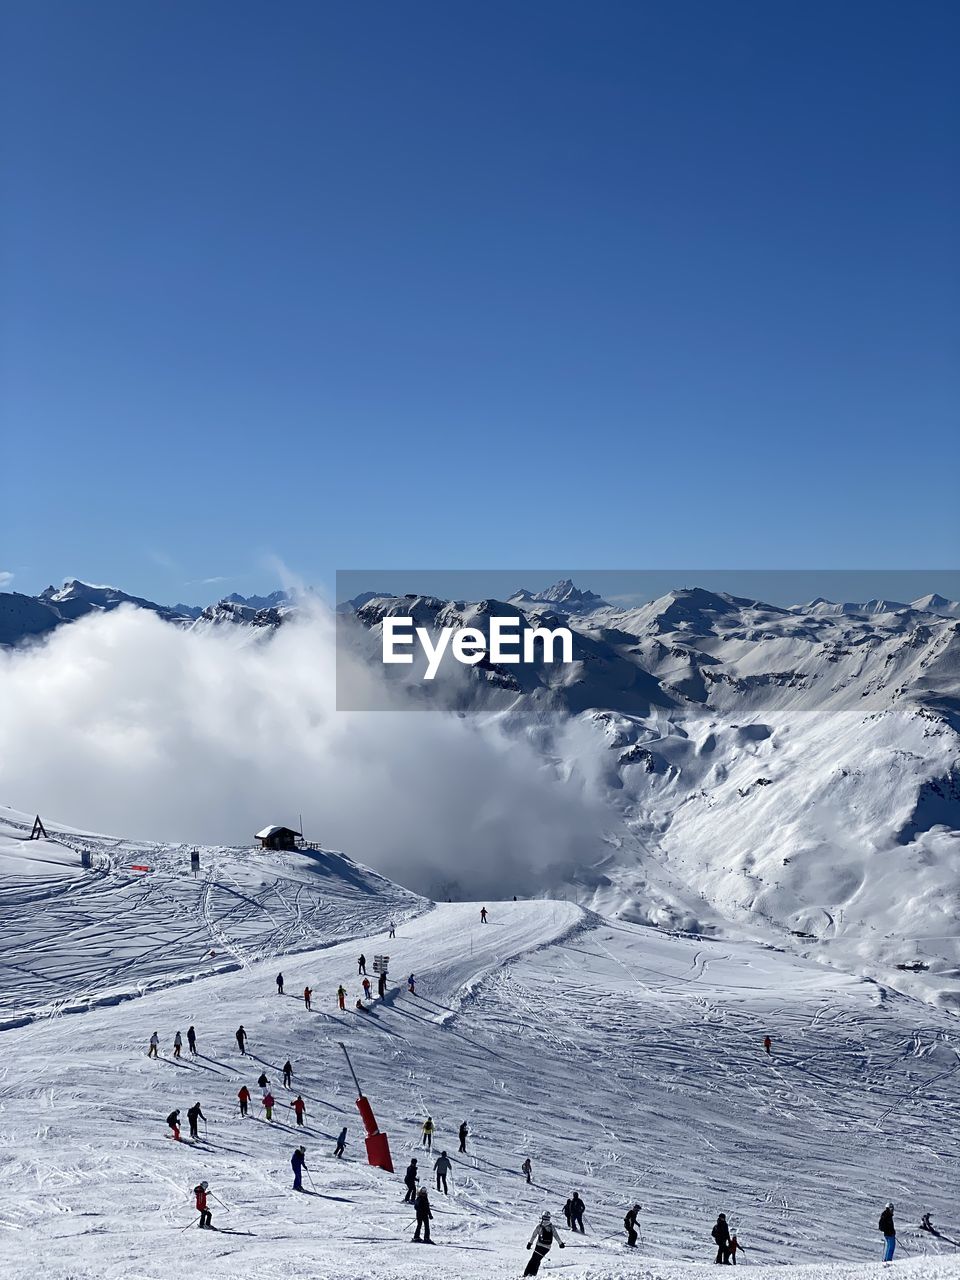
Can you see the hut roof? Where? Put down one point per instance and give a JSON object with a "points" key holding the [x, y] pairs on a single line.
{"points": [[267, 832]]}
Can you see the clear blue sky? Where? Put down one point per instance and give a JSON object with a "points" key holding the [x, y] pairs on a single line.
{"points": [[621, 284]]}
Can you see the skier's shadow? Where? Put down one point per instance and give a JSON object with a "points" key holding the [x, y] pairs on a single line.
{"points": [[199, 1066], [219, 1146], [436, 1004], [264, 1063], [206, 1057], [407, 1013]]}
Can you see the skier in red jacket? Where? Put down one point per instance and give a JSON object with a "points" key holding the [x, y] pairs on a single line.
{"points": [[200, 1191], [767, 1044], [244, 1096], [299, 1106]]}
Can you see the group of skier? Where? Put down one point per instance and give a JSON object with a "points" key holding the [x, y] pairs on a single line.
{"points": [[545, 1233], [194, 1116], [154, 1049], [725, 1238]]}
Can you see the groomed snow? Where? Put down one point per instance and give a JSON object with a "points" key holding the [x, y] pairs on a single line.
{"points": [[627, 1063]]}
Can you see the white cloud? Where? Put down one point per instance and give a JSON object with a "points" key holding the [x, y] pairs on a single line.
{"points": [[123, 724], [6, 578]]}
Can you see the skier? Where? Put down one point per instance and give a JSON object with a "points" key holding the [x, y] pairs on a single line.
{"points": [[527, 1168], [721, 1236], [193, 1115], [287, 1073], [411, 985], [567, 1210], [382, 985], [410, 1182], [462, 1135], [544, 1233], [733, 1246], [361, 965], [421, 1207], [483, 915], [200, 1191], [262, 1080], [268, 1101], [307, 993], [886, 1225], [630, 1226], [173, 1120], [768, 1045], [366, 988], [393, 930], [441, 1168], [338, 1150], [279, 984], [299, 1106], [341, 996], [926, 1224], [177, 1044], [299, 1162], [427, 1133], [192, 1040], [244, 1096], [154, 1046], [241, 1038], [576, 1212]]}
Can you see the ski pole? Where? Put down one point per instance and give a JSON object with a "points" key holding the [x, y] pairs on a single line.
{"points": [[219, 1201], [310, 1176], [191, 1222]]}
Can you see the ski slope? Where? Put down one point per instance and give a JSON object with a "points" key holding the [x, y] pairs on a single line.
{"points": [[624, 1061], [70, 938]]}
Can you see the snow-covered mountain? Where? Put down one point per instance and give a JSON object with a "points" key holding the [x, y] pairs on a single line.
{"points": [[75, 599], [562, 594], [794, 769], [789, 773], [26, 618], [626, 1062]]}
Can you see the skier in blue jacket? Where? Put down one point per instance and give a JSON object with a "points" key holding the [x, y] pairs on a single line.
{"points": [[299, 1162]]}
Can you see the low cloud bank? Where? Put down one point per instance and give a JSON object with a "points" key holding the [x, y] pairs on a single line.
{"points": [[124, 724]]}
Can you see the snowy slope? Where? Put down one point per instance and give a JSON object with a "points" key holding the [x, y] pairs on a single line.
{"points": [[626, 1062], [110, 933]]}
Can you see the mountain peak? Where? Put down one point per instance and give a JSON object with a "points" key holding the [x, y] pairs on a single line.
{"points": [[564, 592]]}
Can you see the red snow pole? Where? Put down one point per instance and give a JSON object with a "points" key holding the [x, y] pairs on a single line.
{"points": [[378, 1148]]}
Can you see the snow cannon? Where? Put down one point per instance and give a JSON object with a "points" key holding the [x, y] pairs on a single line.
{"points": [[378, 1148]]}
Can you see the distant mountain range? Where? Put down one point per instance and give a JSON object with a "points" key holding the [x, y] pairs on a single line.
{"points": [[796, 766], [25, 617]]}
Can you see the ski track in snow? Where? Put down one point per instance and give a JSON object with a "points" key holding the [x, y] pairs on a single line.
{"points": [[626, 1062]]}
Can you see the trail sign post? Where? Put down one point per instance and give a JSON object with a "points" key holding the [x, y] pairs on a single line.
{"points": [[380, 964]]}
